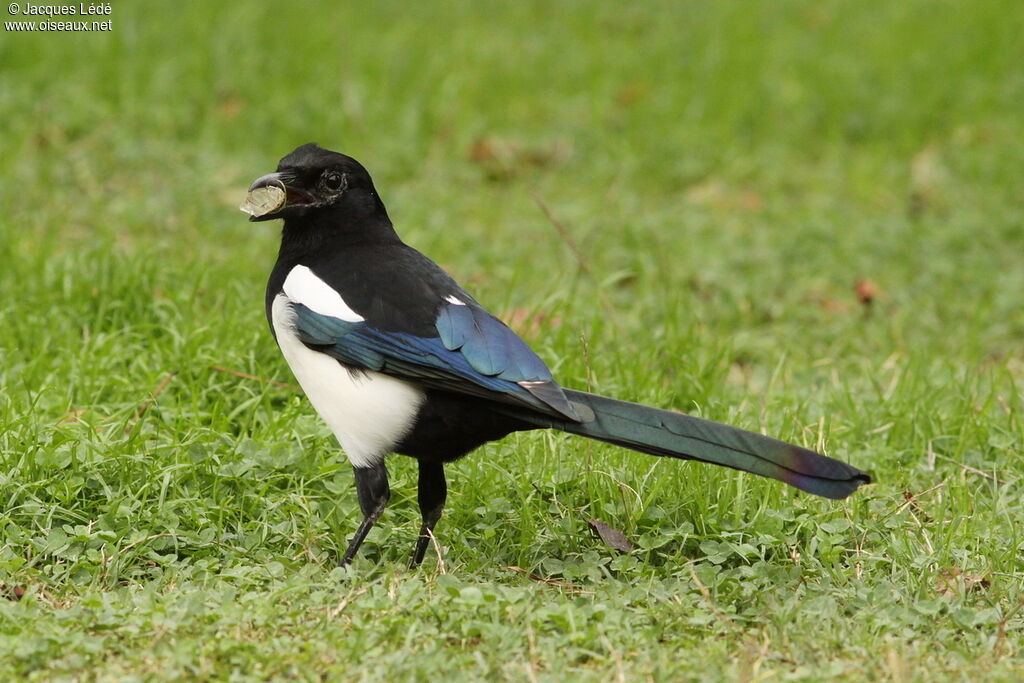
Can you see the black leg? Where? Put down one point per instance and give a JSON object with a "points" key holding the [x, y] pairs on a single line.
{"points": [[431, 493], [372, 489]]}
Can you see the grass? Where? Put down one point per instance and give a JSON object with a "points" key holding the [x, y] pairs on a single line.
{"points": [[727, 171]]}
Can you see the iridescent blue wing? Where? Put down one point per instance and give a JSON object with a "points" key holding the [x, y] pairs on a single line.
{"points": [[473, 353]]}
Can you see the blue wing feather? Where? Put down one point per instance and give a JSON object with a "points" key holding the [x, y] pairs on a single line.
{"points": [[471, 347], [489, 346], [480, 338], [453, 325]]}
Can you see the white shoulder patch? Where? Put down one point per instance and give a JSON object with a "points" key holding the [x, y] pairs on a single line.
{"points": [[452, 299], [302, 286]]}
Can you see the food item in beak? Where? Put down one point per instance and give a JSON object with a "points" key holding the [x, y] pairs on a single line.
{"points": [[263, 200]]}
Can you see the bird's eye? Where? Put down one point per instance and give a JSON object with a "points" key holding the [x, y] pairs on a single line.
{"points": [[332, 181]]}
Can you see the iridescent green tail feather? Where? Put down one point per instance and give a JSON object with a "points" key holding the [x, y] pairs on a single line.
{"points": [[676, 435]]}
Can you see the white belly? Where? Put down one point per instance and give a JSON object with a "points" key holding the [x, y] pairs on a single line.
{"points": [[368, 412]]}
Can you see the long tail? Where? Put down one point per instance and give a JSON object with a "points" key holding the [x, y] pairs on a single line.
{"points": [[675, 435]]}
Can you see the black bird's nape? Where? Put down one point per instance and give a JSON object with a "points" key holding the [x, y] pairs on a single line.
{"points": [[396, 357]]}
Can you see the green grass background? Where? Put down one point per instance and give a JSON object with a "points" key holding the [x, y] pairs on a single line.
{"points": [[727, 171]]}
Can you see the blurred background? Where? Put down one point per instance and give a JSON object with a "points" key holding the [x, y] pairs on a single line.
{"points": [[806, 145]]}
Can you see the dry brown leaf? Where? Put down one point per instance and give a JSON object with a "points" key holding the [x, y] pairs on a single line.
{"points": [[955, 581], [13, 593], [632, 93], [483, 151], [613, 538], [505, 159], [73, 414], [866, 291], [230, 106], [529, 323], [715, 193], [910, 501], [833, 305]]}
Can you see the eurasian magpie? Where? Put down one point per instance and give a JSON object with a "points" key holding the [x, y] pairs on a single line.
{"points": [[396, 357]]}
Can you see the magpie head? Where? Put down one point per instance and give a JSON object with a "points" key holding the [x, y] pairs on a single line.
{"points": [[309, 181]]}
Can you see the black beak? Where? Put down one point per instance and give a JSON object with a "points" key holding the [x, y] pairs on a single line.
{"points": [[269, 180]]}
